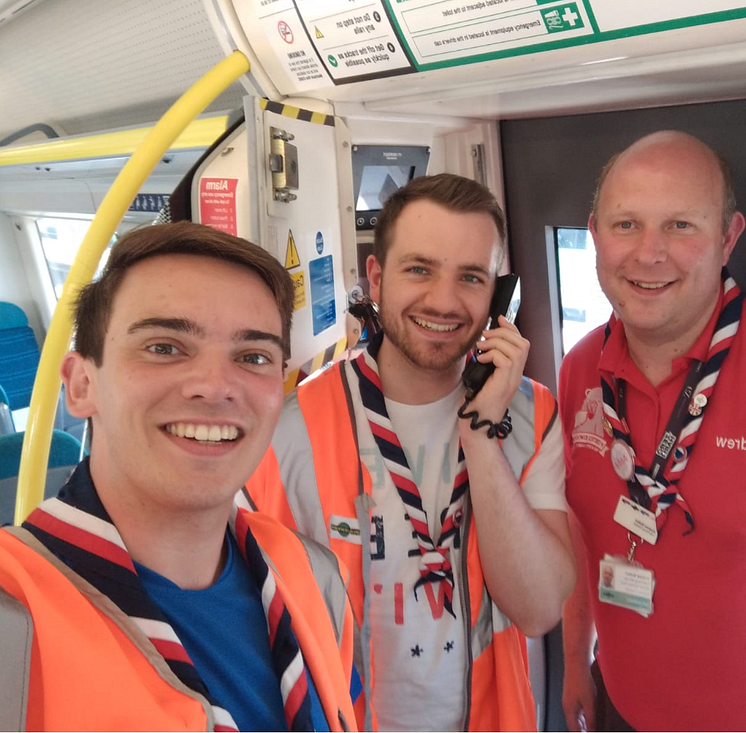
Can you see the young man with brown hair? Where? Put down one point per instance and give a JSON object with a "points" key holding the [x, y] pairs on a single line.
{"points": [[456, 541], [151, 603]]}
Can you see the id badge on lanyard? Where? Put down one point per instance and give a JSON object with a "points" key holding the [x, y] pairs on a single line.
{"points": [[626, 583], [622, 581], [631, 585]]}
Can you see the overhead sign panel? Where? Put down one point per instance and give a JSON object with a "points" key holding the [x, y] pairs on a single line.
{"points": [[319, 43], [455, 32], [276, 23]]}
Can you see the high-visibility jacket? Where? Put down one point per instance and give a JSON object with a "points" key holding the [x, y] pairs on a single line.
{"points": [[313, 472], [87, 666]]}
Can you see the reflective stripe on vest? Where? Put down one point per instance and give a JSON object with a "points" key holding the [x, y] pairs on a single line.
{"points": [[292, 447], [16, 636], [333, 588], [533, 411]]}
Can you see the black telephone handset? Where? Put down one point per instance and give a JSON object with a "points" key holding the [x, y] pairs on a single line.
{"points": [[505, 302]]}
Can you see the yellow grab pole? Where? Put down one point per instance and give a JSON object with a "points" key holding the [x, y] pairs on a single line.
{"points": [[35, 453]]}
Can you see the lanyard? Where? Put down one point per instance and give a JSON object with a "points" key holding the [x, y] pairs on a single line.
{"points": [[651, 489], [671, 435]]}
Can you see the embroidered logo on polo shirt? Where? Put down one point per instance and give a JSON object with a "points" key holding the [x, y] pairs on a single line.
{"points": [[588, 430]]}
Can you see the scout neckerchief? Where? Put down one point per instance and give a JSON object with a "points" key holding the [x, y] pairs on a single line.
{"points": [[435, 563], [681, 432], [77, 529]]}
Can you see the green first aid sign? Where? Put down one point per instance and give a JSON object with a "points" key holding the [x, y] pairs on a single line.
{"points": [[562, 18]]}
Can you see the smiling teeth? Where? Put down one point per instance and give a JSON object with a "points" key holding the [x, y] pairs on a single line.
{"points": [[650, 286], [435, 326], [203, 433]]}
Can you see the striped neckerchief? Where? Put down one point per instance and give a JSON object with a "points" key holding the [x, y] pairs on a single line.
{"points": [[76, 528], [660, 485], [435, 557]]}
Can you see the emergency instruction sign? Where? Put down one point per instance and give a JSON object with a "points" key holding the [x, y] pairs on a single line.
{"points": [[354, 39], [451, 32], [319, 43], [217, 203]]}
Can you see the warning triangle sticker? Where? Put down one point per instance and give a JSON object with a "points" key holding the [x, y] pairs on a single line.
{"points": [[319, 34], [291, 255]]}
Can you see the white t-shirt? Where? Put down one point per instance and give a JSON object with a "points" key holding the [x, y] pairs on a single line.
{"points": [[420, 649], [420, 652]]}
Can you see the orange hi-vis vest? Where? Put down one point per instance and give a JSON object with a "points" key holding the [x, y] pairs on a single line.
{"points": [[89, 667], [312, 475]]}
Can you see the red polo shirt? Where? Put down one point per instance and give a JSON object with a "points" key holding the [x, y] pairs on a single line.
{"points": [[684, 667]]}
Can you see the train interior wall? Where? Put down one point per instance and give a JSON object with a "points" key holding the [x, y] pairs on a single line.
{"points": [[551, 166]]}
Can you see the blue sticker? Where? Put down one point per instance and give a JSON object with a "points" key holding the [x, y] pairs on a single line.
{"points": [[319, 242], [323, 304]]}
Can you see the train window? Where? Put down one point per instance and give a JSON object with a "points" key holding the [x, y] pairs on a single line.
{"points": [[60, 240], [583, 304]]}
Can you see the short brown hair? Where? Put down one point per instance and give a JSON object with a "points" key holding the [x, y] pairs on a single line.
{"points": [[729, 193], [453, 192], [93, 306]]}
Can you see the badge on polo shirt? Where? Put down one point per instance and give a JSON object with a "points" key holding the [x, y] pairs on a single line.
{"points": [[698, 403], [623, 459]]}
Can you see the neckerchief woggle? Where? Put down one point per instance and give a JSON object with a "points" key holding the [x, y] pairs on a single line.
{"points": [[76, 528], [435, 563], [659, 483]]}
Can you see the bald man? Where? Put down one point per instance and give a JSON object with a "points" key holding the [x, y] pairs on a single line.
{"points": [[659, 494]]}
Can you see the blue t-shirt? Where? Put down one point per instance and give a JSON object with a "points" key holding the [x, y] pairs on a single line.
{"points": [[236, 666]]}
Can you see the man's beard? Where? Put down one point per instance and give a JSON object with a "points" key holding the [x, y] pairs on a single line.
{"points": [[434, 356]]}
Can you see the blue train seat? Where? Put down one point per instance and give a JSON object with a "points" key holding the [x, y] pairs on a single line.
{"points": [[64, 455], [6, 416], [19, 361], [19, 356]]}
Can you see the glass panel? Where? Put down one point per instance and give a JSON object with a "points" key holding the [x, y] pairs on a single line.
{"points": [[584, 306], [60, 240]]}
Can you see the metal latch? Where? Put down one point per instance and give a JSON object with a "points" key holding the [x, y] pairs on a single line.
{"points": [[283, 162]]}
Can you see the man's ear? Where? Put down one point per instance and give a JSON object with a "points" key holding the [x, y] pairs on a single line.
{"points": [[592, 226], [77, 376], [735, 229], [374, 272]]}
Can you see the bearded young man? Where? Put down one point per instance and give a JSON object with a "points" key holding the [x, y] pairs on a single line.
{"points": [[457, 542]]}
